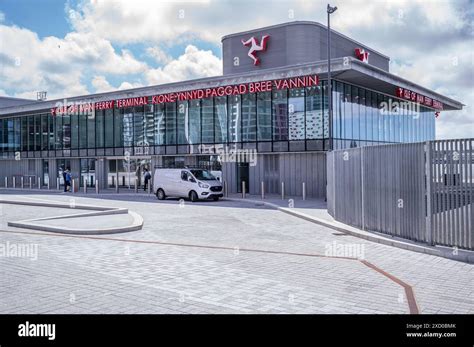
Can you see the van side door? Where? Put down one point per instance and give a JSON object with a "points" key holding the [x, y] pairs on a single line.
{"points": [[184, 184]]}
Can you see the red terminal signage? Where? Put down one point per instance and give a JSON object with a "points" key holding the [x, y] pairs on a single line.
{"points": [[238, 89], [418, 98]]}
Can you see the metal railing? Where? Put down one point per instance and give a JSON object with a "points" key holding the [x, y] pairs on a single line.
{"points": [[417, 191]]}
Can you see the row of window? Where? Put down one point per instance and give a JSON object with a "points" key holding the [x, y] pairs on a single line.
{"points": [[361, 114], [294, 114]]}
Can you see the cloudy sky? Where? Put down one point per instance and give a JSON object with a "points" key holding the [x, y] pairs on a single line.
{"points": [[78, 47]]}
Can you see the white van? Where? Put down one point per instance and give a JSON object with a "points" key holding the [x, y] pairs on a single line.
{"points": [[194, 184]]}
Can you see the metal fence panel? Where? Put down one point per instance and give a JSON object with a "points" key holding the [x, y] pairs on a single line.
{"points": [[417, 191]]}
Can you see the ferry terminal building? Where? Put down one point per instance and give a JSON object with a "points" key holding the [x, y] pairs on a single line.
{"points": [[269, 109]]}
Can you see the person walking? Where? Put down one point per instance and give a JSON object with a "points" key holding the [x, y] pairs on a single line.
{"points": [[64, 180], [147, 177], [67, 181]]}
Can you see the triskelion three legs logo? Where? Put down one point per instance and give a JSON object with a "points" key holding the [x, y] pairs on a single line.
{"points": [[256, 47]]}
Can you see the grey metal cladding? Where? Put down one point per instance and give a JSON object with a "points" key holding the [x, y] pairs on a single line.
{"points": [[289, 44]]}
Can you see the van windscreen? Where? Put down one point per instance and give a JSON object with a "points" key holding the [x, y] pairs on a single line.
{"points": [[203, 175]]}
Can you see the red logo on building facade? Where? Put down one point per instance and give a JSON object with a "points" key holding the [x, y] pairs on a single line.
{"points": [[362, 55], [256, 47]]}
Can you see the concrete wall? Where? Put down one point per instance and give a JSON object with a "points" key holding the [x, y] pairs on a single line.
{"points": [[289, 44], [291, 168]]}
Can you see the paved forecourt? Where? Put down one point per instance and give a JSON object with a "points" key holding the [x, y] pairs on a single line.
{"points": [[225, 257]]}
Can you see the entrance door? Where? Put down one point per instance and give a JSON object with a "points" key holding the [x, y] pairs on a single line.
{"points": [[242, 175]]}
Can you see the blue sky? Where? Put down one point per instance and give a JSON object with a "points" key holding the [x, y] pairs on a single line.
{"points": [[77, 47]]}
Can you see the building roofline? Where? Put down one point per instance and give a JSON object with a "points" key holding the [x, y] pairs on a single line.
{"points": [[304, 22], [411, 85], [317, 67]]}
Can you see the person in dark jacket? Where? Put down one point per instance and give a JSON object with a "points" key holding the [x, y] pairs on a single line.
{"points": [[64, 180], [147, 177], [67, 181]]}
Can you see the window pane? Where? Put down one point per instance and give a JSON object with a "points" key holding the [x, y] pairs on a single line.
{"points": [[296, 114], [31, 133], [355, 114], [24, 133], [44, 132], [75, 131], [38, 132], [1, 136], [91, 131], [207, 121], [220, 119], [11, 135], [138, 126], [127, 132], [347, 112], [149, 126], [118, 127], [170, 123], [325, 110], [314, 113], [195, 121], [339, 114], [362, 115], [99, 129], [235, 119], [280, 115], [17, 126], [82, 131], [264, 116], [182, 122], [249, 117], [109, 128], [159, 113], [51, 124]]}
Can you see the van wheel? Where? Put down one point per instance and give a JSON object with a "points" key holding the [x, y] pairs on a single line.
{"points": [[215, 198], [160, 194], [193, 196]]}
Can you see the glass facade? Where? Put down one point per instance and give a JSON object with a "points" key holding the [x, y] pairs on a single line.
{"points": [[361, 117]]}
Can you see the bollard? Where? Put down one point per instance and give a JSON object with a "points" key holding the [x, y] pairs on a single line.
{"points": [[22, 182], [263, 190], [48, 183], [31, 184], [97, 186], [149, 187], [283, 190], [85, 185], [14, 182], [39, 182], [243, 189], [6, 182], [73, 185], [136, 184], [57, 183], [226, 192], [304, 191], [113, 181], [116, 188]]}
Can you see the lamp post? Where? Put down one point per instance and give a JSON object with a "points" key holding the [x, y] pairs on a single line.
{"points": [[330, 10]]}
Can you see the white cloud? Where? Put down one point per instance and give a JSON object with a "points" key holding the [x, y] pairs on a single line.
{"points": [[194, 63], [30, 64], [159, 55], [101, 85], [2, 16]]}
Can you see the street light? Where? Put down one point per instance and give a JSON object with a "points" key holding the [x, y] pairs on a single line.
{"points": [[330, 10]]}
